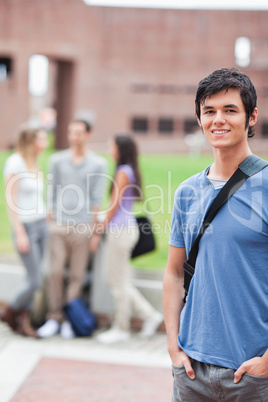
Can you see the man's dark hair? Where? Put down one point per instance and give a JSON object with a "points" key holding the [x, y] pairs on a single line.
{"points": [[224, 79], [85, 122]]}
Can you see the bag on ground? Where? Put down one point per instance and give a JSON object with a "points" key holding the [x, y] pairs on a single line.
{"points": [[82, 320]]}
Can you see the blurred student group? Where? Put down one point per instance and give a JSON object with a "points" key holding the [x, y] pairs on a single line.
{"points": [[69, 227]]}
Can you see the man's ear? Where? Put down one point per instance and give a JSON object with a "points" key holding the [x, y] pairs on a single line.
{"points": [[253, 118], [198, 121]]}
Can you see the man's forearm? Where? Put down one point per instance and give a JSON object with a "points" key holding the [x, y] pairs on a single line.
{"points": [[173, 293]]}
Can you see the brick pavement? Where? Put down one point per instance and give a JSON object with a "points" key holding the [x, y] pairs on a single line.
{"points": [[82, 370], [57, 380]]}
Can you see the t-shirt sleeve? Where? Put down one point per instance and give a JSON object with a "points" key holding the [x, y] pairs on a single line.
{"points": [[128, 172], [176, 237], [13, 165]]}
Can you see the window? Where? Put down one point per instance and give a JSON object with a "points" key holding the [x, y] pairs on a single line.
{"points": [[5, 68], [264, 129], [165, 125], [242, 51], [140, 124], [38, 75], [190, 126]]}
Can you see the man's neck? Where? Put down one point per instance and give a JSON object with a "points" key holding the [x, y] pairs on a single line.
{"points": [[226, 162], [78, 154]]}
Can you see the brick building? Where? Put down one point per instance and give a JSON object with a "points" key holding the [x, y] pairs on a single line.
{"points": [[133, 69]]}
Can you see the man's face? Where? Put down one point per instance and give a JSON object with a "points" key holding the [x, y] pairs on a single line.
{"points": [[77, 134], [223, 119]]}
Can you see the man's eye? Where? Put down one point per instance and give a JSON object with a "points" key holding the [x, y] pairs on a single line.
{"points": [[231, 111]]}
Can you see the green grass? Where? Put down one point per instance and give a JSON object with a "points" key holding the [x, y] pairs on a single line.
{"points": [[161, 176], [5, 232]]}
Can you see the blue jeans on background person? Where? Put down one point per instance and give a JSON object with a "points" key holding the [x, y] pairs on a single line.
{"points": [[37, 233]]}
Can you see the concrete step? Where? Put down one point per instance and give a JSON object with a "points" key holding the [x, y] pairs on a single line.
{"points": [[12, 275]]}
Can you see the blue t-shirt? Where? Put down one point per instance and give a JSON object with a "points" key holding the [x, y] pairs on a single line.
{"points": [[225, 319]]}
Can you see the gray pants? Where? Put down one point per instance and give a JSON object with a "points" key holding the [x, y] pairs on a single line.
{"points": [[214, 383], [37, 233]]}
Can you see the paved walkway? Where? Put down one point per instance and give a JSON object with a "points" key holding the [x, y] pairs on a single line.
{"points": [[82, 370]]}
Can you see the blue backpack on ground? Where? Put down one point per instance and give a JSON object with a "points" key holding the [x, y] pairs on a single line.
{"points": [[82, 320]]}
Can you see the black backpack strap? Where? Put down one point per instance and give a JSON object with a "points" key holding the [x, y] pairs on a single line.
{"points": [[250, 166]]}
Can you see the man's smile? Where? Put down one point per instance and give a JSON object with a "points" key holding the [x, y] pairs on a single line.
{"points": [[220, 132]]}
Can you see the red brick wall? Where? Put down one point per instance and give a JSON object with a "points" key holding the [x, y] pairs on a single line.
{"points": [[116, 50]]}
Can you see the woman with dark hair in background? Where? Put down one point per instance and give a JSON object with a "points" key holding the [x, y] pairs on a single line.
{"points": [[26, 207], [122, 235]]}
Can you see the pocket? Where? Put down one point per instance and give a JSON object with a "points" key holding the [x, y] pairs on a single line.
{"points": [[255, 379], [51, 226], [178, 369], [55, 229]]}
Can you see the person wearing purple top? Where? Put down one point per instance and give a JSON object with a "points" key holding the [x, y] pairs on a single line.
{"points": [[122, 235]]}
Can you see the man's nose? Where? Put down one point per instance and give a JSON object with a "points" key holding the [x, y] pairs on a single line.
{"points": [[219, 118]]}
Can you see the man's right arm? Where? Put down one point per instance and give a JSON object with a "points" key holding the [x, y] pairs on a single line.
{"points": [[51, 193], [173, 294]]}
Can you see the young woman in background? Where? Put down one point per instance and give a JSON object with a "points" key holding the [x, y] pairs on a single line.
{"points": [[26, 207], [122, 235]]}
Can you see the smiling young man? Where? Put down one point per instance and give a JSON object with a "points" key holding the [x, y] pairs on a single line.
{"points": [[218, 340]]}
